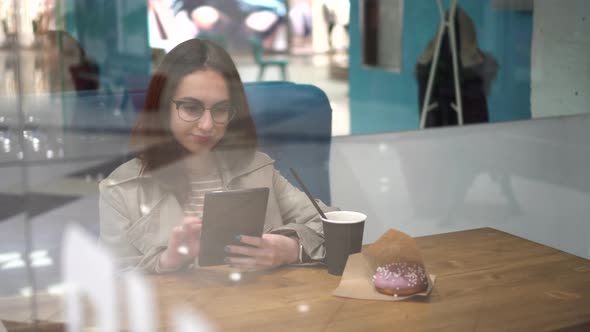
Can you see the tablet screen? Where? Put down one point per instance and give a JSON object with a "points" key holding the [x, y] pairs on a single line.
{"points": [[227, 214]]}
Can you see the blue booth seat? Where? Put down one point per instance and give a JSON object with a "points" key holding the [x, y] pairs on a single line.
{"points": [[294, 126]]}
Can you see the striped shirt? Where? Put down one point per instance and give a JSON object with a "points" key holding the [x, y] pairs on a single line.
{"points": [[197, 190]]}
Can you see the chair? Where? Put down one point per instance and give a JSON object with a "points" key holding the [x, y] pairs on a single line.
{"points": [[294, 126], [263, 62]]}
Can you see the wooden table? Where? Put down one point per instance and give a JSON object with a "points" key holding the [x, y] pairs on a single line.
{"points": [[487, 280]]}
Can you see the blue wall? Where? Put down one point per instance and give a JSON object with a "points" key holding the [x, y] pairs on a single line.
{"points": [[385, 101]]}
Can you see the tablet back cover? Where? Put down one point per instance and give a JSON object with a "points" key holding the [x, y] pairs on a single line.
{"points": [[227, 214]]}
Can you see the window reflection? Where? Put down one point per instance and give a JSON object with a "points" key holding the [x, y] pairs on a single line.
{"points": [[79, 78]]}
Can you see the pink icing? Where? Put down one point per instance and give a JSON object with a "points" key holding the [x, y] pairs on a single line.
{"points": [[400, 276]]}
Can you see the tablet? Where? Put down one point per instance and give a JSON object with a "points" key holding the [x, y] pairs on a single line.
{"points": [[227, 214]]}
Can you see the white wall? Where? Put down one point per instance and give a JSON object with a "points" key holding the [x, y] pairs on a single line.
{"points": [[528, 178], [560, 58]]}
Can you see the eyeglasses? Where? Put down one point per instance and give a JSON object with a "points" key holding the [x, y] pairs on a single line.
{"points": [[191, 111]]}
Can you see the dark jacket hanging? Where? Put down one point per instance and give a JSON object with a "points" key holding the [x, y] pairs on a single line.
{"points": [[476, 71]]}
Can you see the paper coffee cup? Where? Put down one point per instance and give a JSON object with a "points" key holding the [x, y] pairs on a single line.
{"points": [[343, 232]]}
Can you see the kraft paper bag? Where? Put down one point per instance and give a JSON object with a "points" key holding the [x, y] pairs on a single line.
{"points": [[393, 246]]}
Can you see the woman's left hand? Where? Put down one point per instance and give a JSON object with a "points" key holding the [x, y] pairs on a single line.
{"points": [[269, 251]]}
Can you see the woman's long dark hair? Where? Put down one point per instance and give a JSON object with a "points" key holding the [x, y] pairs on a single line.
{"points": [[152, 134]]}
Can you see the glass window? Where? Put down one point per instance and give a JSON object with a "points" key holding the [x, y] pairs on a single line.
{"points": [[166, 163]]}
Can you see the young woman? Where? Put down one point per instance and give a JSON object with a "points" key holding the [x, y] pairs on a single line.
{"points": [[196, 135]]}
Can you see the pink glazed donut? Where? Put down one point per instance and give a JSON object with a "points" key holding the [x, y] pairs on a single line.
{"points": [[400, 279]]}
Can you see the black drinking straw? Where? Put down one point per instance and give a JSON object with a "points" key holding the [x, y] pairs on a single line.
{"points": [[308, 194]]}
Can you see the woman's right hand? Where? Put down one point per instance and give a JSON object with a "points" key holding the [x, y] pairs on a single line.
{"points": [[184, 244]]}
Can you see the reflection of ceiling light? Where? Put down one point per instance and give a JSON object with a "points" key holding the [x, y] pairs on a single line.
{"points": [[8, 256], [383, 147], [57, 289], [31, 119], [235, 276], [183, 250], [2, 119], [20, 155], [40, 258], [38, 254], [144, 209], [41, 262], [303, 308], [49, 154], [26, 292], [13, 264]]}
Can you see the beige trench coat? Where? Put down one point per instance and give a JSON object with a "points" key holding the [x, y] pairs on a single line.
{"points": [[137, 215]]}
